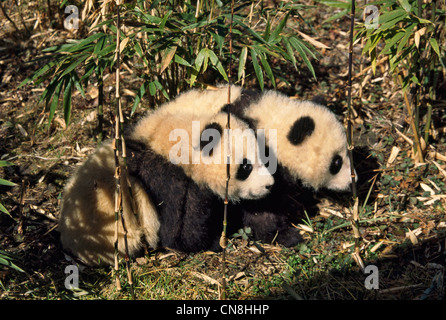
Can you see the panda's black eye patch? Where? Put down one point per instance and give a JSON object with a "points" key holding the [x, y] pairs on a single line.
{"points": [[336, 164], [244, 170], [301, 128], [210, 136]]}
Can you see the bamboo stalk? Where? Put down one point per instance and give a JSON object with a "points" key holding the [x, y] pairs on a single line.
{"points": [[119, 123], [223, 239], [117, 205], [355, 221], [419, 151], [100, 108]]}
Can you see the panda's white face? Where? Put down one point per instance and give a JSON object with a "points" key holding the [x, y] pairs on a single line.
{"points": [[311, 142], [321, 140], [253, 180], [249, 178], [339, 177]]}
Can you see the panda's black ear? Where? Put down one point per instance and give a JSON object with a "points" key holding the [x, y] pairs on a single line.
{"points": [[301, 128], [210, 136]]}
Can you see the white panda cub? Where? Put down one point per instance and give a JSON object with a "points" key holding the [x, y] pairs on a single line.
{"points": [[180, 160], [87, 215]]}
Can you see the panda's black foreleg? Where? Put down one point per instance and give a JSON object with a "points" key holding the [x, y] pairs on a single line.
{"points": [[270, 227]]}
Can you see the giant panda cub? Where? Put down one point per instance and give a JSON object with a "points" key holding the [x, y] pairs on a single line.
{"points": [[181, 162], [305, 138], [87, 215]]}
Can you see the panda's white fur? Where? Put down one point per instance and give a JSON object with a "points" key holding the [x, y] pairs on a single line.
{"points": [[87, 216], [308, 161]]}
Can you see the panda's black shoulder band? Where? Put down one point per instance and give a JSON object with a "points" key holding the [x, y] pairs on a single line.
{"points": [[302, 128], [228, 107]]}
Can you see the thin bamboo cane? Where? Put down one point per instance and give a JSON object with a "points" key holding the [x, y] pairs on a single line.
{"points": [[223, 239], [355, 221], [119, 122], [418, 151]]}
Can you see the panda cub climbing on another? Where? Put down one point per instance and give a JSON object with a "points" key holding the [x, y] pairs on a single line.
{"points": [[177, 168], [305, 140]]}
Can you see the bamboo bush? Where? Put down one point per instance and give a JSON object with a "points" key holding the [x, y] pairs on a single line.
{"points": [[410, 35], [171, 47]]}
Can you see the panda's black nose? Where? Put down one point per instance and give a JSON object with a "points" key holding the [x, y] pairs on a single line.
{"points": [[268, 186]]}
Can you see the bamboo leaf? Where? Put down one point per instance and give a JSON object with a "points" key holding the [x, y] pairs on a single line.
{"points": [[296, 45], [138, 49], [4, 163], [406, 37], [4, 210], [267, 32], [152, 89], [139, 95], [160, 87], [405, 4], [313, 41], [48, 92], [337, 15], [392, 23], [167, 58], [40, 72], [92, 38], [123, 44], [67, 101], [257, 68], [434, 45], [372, 42], [290, 52], [181, 61], [6, 258], [99, 45], [267, 68], [200, 59], [74, 64], [193, 76], [279, 28], [107, 50], [163, 22], [336, 4], [392, 42], [391, 15], [257, 36], [77, 84], [217, 63], [390, 19], [373, 58], [4, 182], [55, 101], [242, 61]]}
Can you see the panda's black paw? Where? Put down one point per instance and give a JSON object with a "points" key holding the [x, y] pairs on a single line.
{"points": [[289, 237]]}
